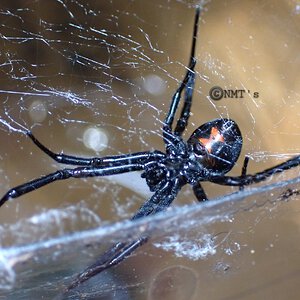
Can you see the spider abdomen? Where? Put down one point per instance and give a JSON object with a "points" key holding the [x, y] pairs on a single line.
{"points": [[217, 145]]}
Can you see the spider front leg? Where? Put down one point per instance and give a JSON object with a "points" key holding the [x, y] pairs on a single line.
{"points": [[97, 166], [63, 158], [80, 172], [190, 82], [188, 85], [139, 157], [187, 81], [186, 109]]}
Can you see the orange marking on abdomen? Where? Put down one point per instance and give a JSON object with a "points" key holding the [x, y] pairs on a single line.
{"points": [[215, 136]]}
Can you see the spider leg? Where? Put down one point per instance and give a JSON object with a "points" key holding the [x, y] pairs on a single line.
{"points": [[175, 102], [108, 259], [199, 192], [80, 172], [188, 84], [185, 113], [118, 252], [139, 157], [255, 178], [244, 170]]}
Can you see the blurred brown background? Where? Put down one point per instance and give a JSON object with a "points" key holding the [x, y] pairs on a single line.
{"points": [[66, 67]]}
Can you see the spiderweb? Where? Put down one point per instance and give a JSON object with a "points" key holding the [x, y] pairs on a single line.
{"points": [[95, 78]]}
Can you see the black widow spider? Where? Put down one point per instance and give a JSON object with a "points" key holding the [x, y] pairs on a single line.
{"points": [[210, 152]]}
